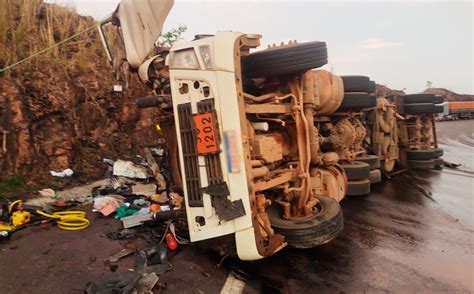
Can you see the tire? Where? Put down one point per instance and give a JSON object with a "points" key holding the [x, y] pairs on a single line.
{"points": [[421, 164], [356, 84], [425, 154], [286, 60], [313, 232], [372, 87], [375, 176], [356, 170], [422, 98], [358, 188], [372, 160], [438, 99], [150, 101], [357, 100], [421, 108], [438, 162]]}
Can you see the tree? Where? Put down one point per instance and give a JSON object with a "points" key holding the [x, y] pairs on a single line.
{"points": [[429, 84], [167, 39]]}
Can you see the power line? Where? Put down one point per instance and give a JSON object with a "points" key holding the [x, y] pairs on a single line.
{"points": [[46, 49]]}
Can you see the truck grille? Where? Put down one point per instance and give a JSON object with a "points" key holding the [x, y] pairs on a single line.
{"points": [[213, 161], [190, 156]]}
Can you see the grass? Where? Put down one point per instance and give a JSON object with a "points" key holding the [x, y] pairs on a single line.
{"points": [[12, 185], [28, 26]]}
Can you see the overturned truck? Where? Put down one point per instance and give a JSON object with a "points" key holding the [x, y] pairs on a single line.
{"points": [[260, 142]]}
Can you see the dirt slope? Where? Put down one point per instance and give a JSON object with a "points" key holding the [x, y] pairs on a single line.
{"points": [[382, 90], [449, 95], [59, 109]]}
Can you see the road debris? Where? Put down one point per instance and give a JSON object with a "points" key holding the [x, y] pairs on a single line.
{"points": [[65, 173], [47, 193], [130, 170]]}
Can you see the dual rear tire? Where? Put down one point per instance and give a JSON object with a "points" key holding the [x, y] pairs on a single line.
{"points": [[324, 226]]}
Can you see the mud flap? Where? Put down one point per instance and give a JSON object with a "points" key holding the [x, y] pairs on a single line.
{"points": [[225, 209]]}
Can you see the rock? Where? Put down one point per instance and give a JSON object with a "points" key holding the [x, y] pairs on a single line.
{"points": [[47, 193]]}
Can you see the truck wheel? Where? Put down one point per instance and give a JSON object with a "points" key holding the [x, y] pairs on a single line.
{"points": [[325, 226], [422, 98], [372, 87], [285, 60], [358, 188], [372, 160], [421, 108], [356, 170], [421, 164], [356, 84], [438, 162], [424, 154], [388, 165], [375, 176], [358, 100]]}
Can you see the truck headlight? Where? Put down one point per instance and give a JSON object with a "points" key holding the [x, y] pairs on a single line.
{"points": [[184, 59], [206, 56]]}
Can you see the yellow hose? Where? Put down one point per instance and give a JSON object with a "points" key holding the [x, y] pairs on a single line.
{"points": [[10, 207], [68, 220]]}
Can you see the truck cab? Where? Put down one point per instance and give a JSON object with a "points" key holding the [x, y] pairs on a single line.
{"points": [[247, 157]]}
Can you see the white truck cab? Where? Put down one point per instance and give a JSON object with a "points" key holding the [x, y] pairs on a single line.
{"points": [[204, 85], [248, 153]]}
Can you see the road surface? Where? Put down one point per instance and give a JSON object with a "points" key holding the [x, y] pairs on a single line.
{"points": [[413, 234]]}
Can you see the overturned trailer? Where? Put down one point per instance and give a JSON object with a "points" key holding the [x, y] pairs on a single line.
{"points": [[260, 143]]}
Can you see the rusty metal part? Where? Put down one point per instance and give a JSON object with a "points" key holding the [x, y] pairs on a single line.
{"points": [[347, 137], [304, 152], [343, 134], [271, 147], [329, 91], [309, 104], [329, 159], [384, 134], [266, 245], [268, 108], [329, 181], [417, 132], [263, 219], [256, 162], [259, 172], [280, 179], [273, 97]]}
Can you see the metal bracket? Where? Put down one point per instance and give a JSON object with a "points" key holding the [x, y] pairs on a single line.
{"points": [[225, 209]]}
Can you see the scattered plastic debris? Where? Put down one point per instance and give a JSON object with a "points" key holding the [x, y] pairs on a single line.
{"points": [[130, 170], [144, 189], [65, 173]]}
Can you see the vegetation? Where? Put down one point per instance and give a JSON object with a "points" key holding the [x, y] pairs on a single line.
{"points": [[12, 184], [41, 26], [167, 39]]}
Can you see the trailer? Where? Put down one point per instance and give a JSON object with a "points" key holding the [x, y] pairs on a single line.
{"points": [[460, 110]]}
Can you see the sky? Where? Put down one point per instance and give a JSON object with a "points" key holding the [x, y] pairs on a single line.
{"points": [[401, 44]]}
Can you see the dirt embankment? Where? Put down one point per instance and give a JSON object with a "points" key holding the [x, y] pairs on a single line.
{"points": [[382, 90], [449, 95], [58, 110]]}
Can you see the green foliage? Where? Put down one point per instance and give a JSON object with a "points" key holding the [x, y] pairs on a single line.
{"points": [[12, 184], [167, 39]]}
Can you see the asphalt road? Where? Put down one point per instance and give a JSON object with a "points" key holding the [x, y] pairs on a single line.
{"points": [[412, 234]]}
